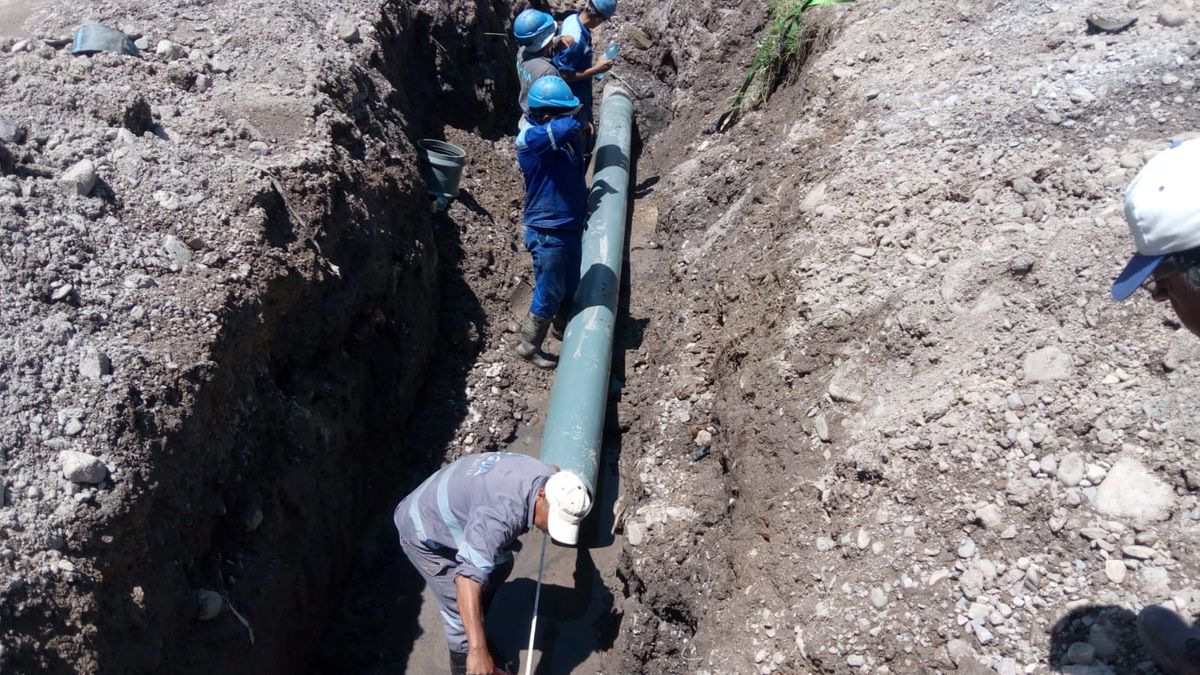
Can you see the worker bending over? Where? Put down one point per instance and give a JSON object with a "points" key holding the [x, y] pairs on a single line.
{"points": [[459, 529], [555, 206], [574, 63]]}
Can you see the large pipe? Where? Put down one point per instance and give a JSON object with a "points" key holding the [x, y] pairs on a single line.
{"points": [[575, 419]]}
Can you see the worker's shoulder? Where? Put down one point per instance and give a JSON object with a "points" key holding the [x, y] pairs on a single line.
{"points": [[484, 463], [573, 26]]}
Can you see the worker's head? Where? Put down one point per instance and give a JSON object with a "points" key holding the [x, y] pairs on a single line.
{"points": [[1162, 208], [550, 97], [561, 505], [597, 12], [534, 29]]}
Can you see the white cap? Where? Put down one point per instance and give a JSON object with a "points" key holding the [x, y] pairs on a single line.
{"points": [[1162, 208], [569, 502]]}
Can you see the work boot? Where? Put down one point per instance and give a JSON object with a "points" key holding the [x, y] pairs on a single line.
{"points": [[559, 326], [458, 663], [533, 333], [1173, 645]]}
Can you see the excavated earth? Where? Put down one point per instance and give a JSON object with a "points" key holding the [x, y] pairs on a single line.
{"points": [[879, 412]]}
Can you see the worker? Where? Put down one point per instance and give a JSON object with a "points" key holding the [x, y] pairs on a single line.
{"points": [[574, 63], [555, 206], [459, 529], [537, 35], [1162, 209]]}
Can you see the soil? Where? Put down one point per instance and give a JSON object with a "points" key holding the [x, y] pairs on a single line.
{"points": [[865, 338]]}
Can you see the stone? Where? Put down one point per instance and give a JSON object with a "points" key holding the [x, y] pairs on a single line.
{"points": [[878, 598], [142, 43], [79, 179], [1081, 95], [11, 131], [139, 281], [174, 247], [1172, 17], [81, 467], [203, 83], [967, 548], [635, 533], [259, 148], [1155, 580], [208, 604], [95, 364], [1047, 364], [855, 661], [1071, 469], [982, 634], [990, 515], [822, 427], [1129, 491], [168, 50], [825, 544], [1138, 552], [220, 64], [841, 391], [1080, 653], [1095, 474], [960, 651], [348, 32]]}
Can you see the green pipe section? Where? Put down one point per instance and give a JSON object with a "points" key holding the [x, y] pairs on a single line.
{"points": [[575, 420]]}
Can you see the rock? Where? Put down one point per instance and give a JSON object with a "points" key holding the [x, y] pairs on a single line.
{"points": [[1155, 580], [1095, 474], [1172, 17], [635, 533], [138, 281], [960, 651], [348, 32], [220, 64], [878, 598], [990, 515], [180, 252], [80, 467], [822, 427], [1050, 464], [1129, 491], [937, 576], [1047, 364], [982, 634], [168, 50], [208, 604], [1081, 96], [72, 427], [1138, 552], [1080, 653], [825, 544], [1184, 349], [12, 132], [203, 83], [971, 583], [842, 391], [967, 548], [95, 364], [1115, 570], [1071, 469], [259, 148], [855, 661], [142, 43], [79, 179]]}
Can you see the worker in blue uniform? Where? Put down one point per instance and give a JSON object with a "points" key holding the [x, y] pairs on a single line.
{"points": [[555, 209], [574, 63]]}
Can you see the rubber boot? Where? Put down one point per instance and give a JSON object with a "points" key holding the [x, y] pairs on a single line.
{"points": [[1170, 641], [533, 333], [559, 325], [458, 663]]}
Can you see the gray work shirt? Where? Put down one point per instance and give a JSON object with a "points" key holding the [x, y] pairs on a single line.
{"points": [[477, 507], [531, 67]]}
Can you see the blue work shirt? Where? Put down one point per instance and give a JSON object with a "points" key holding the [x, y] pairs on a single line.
{"points": [[555, 186], [477, 507], [576, 59]]}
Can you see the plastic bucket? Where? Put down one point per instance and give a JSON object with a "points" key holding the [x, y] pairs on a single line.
{"points": [[443, 165]]}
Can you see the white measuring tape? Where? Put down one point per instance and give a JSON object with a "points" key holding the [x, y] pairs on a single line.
{"points": [[537, 598]]}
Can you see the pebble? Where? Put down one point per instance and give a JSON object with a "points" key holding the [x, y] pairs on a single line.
{"points": [[840, 391], [825, 544], [1131, 492], [203, 83], [635, 533], [208, 604], [138, 280], [81, 467], [61, 292], [937, 576], [878, 598], [142, 43], [1138, 552], [10, 186], [855, 661], [79, 179], [822, 427], [1015, 402], [220, 64], [990, 515], [260, 148], [1095, 474], [1071, 469], [982, 634], [168, 50], [967, 548], [180, 252], [1172, 17], [1080, 653], [1047, 364], [94, 364]]}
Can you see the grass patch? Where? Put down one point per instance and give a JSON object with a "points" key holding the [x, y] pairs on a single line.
{"points": [[788, 43]]}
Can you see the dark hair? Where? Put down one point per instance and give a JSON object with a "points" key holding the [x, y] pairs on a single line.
{"points": [[1184, 261]]}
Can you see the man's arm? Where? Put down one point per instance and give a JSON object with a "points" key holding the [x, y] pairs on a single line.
{"points": [[602, 67], [469, 594]]}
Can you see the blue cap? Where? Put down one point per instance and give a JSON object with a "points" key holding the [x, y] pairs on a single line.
{"points": [[1134, 275]]}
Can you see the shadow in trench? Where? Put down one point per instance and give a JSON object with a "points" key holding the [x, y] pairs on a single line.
{"points": [[1111, 630], [377, 625]]}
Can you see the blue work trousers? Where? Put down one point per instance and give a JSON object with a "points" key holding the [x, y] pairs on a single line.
{"points": [[557, 255]]}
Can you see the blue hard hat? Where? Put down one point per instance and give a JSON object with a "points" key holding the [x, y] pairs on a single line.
{"points": [[534, 29], [551, 92], [605, 8]]}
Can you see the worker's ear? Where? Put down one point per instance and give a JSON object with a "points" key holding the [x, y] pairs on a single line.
{"points": [[542, 493]]}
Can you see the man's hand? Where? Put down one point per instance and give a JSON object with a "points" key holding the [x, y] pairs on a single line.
{"points": [[564, 42], [604, 66], [479, 661], [589, 129]]}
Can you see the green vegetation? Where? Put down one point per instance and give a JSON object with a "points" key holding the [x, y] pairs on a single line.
{"points": [[788, 42]]}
